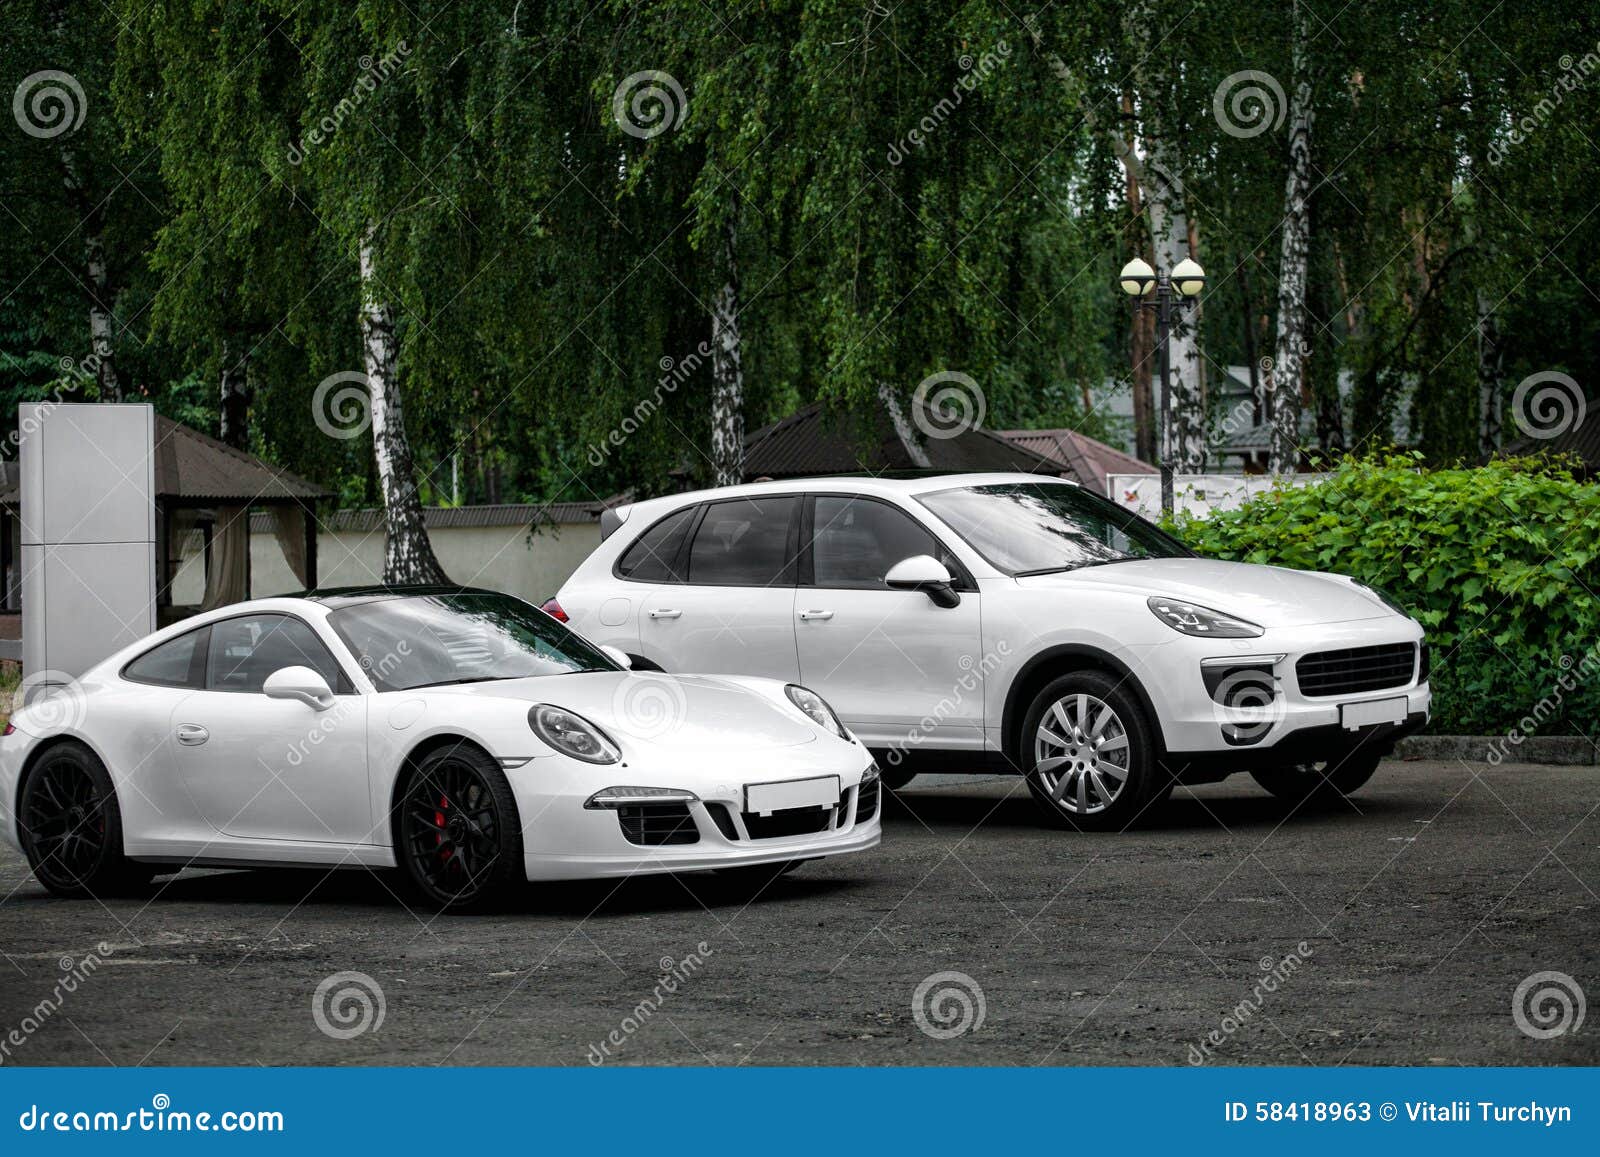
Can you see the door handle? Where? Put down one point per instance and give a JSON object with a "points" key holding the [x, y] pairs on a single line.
{"points": [[192, 734], [665, 614], [809, 615]]}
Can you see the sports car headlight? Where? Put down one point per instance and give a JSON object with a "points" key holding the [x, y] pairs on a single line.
{"points": [[817, 707], [572, 734], [1202, 622]]}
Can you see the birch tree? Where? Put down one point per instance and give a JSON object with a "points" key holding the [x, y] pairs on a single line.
{"points": [[1285, 382]]}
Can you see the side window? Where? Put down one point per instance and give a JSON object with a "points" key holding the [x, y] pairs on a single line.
{"points": [[743, 542], [173, 664], [855, 541], [653, 559], [246, 650]]}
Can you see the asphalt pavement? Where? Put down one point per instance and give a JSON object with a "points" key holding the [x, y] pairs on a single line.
{"points": [[1396, 929]]}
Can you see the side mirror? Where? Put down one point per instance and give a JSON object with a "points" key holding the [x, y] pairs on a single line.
{"points": [[300, 683], [924, 573], [619, 657]]}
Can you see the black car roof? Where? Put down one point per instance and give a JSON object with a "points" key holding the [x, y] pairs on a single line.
{"points": [[349, 596]]}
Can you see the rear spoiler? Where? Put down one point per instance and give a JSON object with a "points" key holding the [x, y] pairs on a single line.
{"points": [[612, 518]]}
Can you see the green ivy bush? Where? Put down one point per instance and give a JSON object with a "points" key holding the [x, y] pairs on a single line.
{"points": [[1498, 563]]}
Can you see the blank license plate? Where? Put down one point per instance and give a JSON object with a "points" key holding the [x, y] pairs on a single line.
{"points": [[766, 798], [1354, 715]]}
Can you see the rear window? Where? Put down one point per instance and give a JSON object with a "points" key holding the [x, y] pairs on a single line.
{"points": [[743, 542], [172, 664], [653, 559]]}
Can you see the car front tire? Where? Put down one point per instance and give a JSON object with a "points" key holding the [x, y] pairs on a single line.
{"points": [[1090, 753], [458, 833], [70, 826], [1323, 781]]}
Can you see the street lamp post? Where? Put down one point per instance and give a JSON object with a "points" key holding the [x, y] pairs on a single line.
{"points": [[1161, 292]]}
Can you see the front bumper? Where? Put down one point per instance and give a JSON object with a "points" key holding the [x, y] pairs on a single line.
{"points": [[1329, 742], [1193, 723], [563, 840]]}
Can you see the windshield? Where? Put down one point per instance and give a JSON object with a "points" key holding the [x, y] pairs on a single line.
{"points": [[1027, 528], [467, 637]]}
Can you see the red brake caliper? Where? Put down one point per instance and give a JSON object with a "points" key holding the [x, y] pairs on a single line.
{"points": [[438, 818]]}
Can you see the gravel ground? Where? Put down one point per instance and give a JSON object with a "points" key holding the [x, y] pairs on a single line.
{"points": [[1420, 909]]}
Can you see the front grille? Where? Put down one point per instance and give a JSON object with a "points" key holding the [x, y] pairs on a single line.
{"points": [[794, 821], [656, 824], [867, 801], [1357, 669]]}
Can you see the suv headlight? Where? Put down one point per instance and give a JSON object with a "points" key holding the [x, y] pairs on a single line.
{"points": [[572, 734], [1202, 622], [816, 707]]}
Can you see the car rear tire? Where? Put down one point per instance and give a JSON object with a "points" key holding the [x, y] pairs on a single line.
{"points": [[1091, 755], [458, 837], [70, 826], [1324, 780]]}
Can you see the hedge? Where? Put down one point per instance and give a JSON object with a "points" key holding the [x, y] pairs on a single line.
{"points": [[1498, 563]]}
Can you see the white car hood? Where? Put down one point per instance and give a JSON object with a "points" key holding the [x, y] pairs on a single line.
{"points": [[674, 712], [1270, 596]]}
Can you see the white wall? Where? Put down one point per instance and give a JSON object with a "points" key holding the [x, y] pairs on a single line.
{"points": [[1196, 494], [498, 557]]}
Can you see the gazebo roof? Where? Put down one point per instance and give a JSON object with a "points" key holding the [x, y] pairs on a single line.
{"points": [[194, 469]]}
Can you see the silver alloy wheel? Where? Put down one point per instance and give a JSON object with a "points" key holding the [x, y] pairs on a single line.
{"points": [[1080, 753]]}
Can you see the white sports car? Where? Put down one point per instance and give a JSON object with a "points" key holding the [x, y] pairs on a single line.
{"points": [[462, 736]]}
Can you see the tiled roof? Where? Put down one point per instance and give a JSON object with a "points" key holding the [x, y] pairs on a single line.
{"points": [[1085, 459], [815, 441]]}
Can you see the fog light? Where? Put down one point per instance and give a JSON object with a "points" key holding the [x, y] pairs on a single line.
{"points": [[615, 797], [1247, 695]]}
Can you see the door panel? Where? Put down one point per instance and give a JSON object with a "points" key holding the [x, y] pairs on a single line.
{"points": [[273, 769], [276, 769], [897, 668], [734, 612]]}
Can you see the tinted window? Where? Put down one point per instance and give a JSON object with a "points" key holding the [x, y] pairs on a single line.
{"points": [[855, 541], [744, 542], [171, 665], [1036, 527], [469, 637], [246, 650], [653, 559]]}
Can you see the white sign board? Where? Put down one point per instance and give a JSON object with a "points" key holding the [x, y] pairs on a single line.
{"points": [[1196, 494], [88, 517]]}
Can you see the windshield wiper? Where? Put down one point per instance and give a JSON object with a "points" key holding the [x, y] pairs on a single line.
{"points": [[1075, 566], [464, 679]]}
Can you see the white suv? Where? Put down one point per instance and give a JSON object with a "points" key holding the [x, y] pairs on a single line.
{"points": [[980, 621]]}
